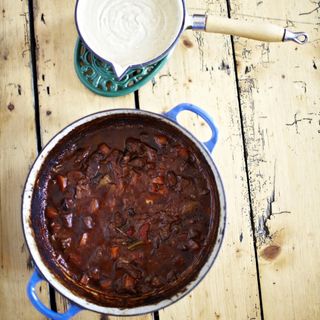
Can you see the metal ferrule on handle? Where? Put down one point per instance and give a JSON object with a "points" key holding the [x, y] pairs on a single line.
{"points": [[198, 22]]}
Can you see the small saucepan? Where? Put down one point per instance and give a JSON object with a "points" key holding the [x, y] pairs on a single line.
{"points": [[36, 230], [129, 33]]}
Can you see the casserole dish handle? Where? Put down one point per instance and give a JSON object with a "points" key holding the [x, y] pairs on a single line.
{"points": [[31, 291], [173, 114]]}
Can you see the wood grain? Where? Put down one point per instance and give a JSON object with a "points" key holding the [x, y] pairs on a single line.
{"points": [[62, 97], [18, 150], [279, 85], [201, 71]]}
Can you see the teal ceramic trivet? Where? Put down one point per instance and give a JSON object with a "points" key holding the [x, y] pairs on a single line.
{"points": [[99, 77]]}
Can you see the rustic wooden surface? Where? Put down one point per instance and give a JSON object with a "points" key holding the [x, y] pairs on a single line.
{"points": [[280, 102], [18, 151], [265, 100]]}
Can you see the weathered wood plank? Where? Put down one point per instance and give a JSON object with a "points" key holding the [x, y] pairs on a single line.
{"points": [[280, 100], [18, 150], [62, 97], [201, 71]]}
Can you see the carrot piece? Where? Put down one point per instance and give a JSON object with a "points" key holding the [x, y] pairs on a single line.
{"points": [[83, 240], [161, 140], [158, 180], [62, 182], [183, 153], [128, 282], [114, 251], [94, 206]]}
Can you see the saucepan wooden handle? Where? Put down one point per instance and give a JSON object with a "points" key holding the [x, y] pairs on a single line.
{"points": [[261, 31], [251, 30]]}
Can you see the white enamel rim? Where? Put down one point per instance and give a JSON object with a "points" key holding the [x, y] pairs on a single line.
{"points": [[50, 277]]}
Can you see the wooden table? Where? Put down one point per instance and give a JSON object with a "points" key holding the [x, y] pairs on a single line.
{"points": [[265, 100]]}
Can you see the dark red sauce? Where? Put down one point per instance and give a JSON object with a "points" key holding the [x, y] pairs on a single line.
{"points": [[128, 212]]}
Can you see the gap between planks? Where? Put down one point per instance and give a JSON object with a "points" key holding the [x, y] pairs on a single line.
{"points": [[246, 166], [52, 298]]}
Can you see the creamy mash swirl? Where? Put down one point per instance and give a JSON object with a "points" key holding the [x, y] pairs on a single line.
{"points": [[128, 32]]}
